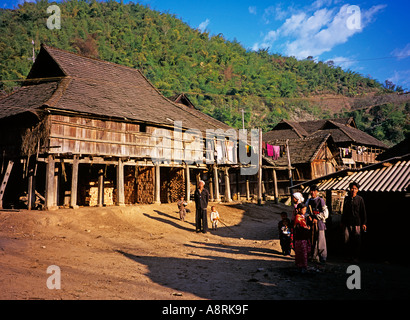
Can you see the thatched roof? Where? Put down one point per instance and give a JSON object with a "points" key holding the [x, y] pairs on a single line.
{"points": [[343, 131], [72, 82]]}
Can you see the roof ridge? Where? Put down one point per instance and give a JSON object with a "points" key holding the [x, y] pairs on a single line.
{"points": [[324, 140], [90, 58], [291, 123]]}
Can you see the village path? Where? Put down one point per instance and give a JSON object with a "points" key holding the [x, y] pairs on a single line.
{"points": [[145, 252]]}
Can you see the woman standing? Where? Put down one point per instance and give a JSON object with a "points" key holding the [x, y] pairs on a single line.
{"points": [[301, 238]]}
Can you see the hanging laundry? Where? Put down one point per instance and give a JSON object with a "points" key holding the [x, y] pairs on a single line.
{"points": [[269, 149], [219, 152], [229, 151], [276, 152]]}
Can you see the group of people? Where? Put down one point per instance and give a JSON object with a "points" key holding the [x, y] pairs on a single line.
{"points": [[201, 203], [305, 232]]}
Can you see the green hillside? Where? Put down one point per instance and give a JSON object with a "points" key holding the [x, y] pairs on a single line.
{"points": [[220, 77]]}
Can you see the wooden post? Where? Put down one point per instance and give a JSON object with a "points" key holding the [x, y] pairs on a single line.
{"points": [[275, 187], [289, 164], [187, 184], [211, 188], [74, 183], [50, 190], [216, 184], [260, 168], [227, 185], [56, 200], [157, 184], [120, 183], [100, 201], [248, 193], [5, 180], [238, 191], [31, 196]]}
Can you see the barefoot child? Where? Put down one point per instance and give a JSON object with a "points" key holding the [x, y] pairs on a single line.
{"points": [[214, 217]]}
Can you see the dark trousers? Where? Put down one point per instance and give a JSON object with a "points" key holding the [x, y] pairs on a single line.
{"points": [[352, 241], [201, 221], [285, 244]]}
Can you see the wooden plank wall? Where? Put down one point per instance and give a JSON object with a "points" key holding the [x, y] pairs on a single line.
{"points": [[80, 135]]}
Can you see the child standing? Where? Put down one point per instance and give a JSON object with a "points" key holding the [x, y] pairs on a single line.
{"points": [[214, 217], [181, 207], [285, 234], [301, 237]]}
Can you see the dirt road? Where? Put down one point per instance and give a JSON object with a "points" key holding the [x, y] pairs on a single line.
{"points": [[146, 252]]}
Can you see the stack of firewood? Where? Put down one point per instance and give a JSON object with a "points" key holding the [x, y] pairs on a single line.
{"points": [[176, 185], [130, 186], [145, 184]]}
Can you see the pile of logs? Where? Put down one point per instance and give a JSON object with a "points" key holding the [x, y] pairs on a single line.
{"points": [[130, 184], [145, 184], [172, 185], [109, 198]]}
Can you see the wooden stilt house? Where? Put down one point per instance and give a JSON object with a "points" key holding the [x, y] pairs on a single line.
{"points": [[82, 131]]}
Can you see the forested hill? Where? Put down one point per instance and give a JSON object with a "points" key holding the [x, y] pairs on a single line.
{"points": [[220, 77]]}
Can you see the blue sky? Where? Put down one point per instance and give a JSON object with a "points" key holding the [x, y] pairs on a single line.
{"points": [[371, 37]]}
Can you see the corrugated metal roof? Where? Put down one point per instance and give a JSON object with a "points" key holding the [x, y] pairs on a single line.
{"points": [[392, 175]]}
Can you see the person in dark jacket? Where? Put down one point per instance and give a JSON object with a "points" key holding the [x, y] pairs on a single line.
{"points": [[318, 213], [353, 221], [201, 203]]}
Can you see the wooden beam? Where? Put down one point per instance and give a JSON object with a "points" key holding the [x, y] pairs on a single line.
{"points": [[248, 194], [227, 185], [4, 182], [50, 189], [275, 187], [260, 168], [100, 200], [31, 196], [211, 188], [157, 184], [74, 183], [187, 184], [120, 183], [216, 184]]}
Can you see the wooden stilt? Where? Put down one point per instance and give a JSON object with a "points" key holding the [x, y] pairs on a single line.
{"points": [[187, 184], [74, 183], [4, 182], [227, 185], [100, 201], [157, 184], [120, 183], [31, 196], [50, 189], [216, 184]]}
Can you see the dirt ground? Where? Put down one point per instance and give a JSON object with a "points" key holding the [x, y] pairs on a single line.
{"points": [[145, 252]]}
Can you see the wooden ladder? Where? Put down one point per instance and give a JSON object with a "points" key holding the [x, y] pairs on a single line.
{"points": [[4, 182]]}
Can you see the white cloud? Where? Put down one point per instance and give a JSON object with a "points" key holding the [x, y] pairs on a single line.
{"points": [[202, 26], [317, 30], [276, 13], [252, 9], [343, 62], [401, 78], [402, 53]]}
